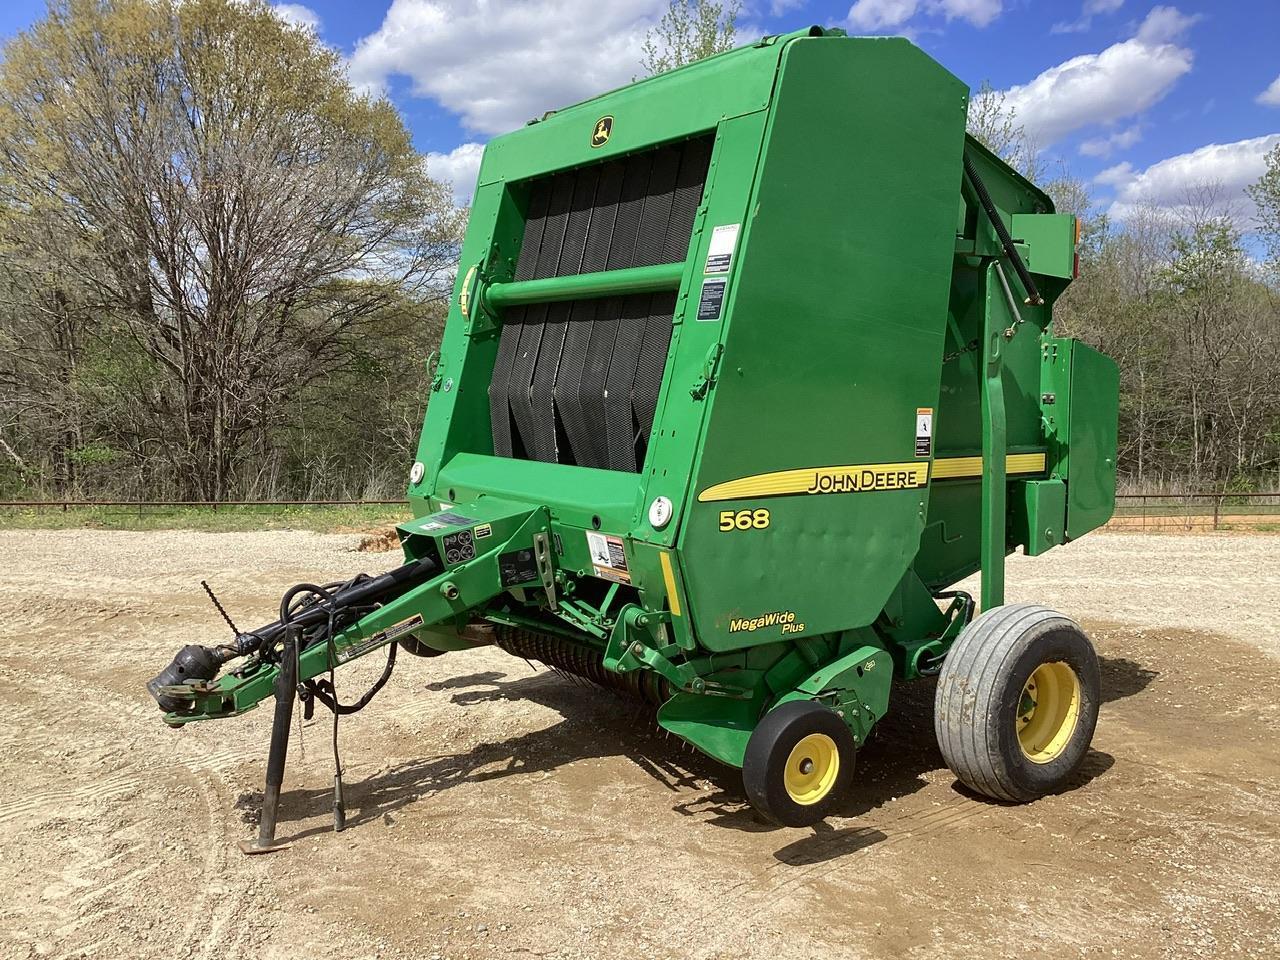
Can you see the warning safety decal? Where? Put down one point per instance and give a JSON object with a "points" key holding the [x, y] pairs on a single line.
{"points": [[711, 301], [392, 632], [608, 557], [924, 431]]}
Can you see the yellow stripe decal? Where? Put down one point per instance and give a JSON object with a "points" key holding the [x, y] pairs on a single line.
{"points": [[669, 578], [862, 477], [851, 479], [957, 468]]}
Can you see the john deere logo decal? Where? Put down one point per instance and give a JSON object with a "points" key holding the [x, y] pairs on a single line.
{"points": [[600, 136]]}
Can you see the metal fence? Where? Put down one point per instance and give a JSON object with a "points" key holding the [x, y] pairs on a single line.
{"points": [[1134, 511], [1197, 511], [141, 508]]}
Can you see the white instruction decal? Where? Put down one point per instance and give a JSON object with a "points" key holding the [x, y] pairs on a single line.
{"points": [[720, 253]]}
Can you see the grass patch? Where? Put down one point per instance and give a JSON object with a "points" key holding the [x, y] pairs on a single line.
{"points": [[321, 519]]}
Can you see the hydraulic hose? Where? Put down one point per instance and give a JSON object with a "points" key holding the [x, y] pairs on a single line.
{"points": [[197, 664], [984, 198]]}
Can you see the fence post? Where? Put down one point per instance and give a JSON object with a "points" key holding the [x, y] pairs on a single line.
{"points": [[1217, 510]]}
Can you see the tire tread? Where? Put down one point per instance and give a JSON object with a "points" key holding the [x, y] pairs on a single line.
{"points": [[964, 719]]}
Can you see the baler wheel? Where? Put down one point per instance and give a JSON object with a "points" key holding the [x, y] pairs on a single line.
{"points": [[1017, 702], [799, 762]]}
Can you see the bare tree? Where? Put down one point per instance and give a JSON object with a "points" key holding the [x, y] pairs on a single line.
{"points": [[994, 122], [1266, 198], [690, 30], [206, 175]]}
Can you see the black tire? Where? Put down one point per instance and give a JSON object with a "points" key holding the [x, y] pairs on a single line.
{"points": [[986, 713], [772, 748]]}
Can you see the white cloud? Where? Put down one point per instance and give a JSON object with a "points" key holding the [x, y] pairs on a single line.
{"points": [[779, 7], [1270, 97], [977, 12], [1227, 167], [459, 167], [881, 14], [1120, 140], [1091, 9], [1102, 88], [298, 15], [1165, 25], [497, 65], [872, 15], [1116, 176]]}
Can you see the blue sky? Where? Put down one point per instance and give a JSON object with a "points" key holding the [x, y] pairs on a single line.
{"points": [[1142, 100]]}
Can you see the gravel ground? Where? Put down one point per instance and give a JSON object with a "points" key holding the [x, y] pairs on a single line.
{"points": [[496, 811]]}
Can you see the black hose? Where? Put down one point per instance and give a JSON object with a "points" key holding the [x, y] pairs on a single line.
{"points": [[326, 691], [323, 690], [286, 602], [984, 198]]}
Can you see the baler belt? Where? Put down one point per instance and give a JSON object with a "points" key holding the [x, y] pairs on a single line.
{"points": [[578, 381]]}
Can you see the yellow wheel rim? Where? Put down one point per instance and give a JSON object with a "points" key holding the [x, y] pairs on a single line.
{"points": [[1048, 712], [811, 769]]}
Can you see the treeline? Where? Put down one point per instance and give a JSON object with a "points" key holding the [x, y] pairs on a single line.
{"points": [[1190, 310], [1187, 305], [1194, 324], [222, 272]]}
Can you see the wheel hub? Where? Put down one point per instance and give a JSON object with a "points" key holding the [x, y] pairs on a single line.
{"points": [[811, 769], [1048, 711]]}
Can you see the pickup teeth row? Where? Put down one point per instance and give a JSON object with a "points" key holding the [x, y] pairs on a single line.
{"points": [[577, 660]]}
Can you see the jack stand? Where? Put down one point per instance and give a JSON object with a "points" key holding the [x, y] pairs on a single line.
{"points": [[339, 808], [286, 689]]}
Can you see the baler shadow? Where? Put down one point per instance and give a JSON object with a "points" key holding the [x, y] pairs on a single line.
{"points": [[1094, 765], [598, 723], [465, 681], [892, 764], [828, 843], [1122, 677]]}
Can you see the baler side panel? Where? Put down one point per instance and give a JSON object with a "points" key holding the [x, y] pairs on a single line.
{"points": [[950, 544], [833, 341], [680, 414], [458, 406], [1092, 416]]}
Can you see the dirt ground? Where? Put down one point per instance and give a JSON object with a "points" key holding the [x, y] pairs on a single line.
{"points": [[499, 812]]}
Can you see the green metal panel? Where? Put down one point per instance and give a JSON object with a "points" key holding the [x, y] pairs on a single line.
{"points": [[1050, 239], [832, 341], [666, 107], [1091, 432], [1038, 515]]}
